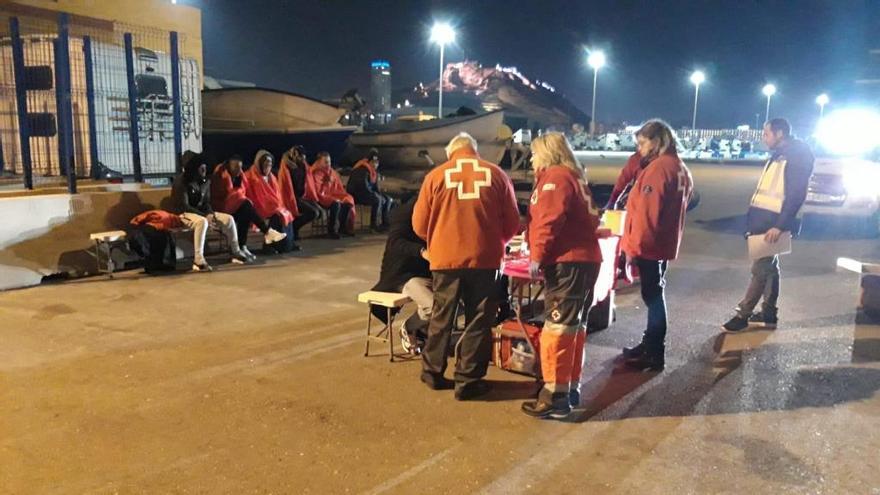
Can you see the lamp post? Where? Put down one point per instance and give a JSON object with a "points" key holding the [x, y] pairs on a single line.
{"points": [[769, 90], [596, 60], [822, 100], [697, 78], [442, 34]]}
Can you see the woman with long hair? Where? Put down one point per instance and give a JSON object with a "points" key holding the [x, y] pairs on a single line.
{"points": [[563, 243], [655, 213]]}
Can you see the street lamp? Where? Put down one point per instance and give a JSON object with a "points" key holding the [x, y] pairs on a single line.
{"points": [[769, 90], [596, 60], [697, 78], [822, 100], [442, 34]]}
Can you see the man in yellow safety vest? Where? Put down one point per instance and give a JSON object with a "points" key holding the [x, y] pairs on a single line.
{"points": [[781, 192]]}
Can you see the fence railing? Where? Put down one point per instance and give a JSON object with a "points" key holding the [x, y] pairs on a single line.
{"points": [[83, 98]]}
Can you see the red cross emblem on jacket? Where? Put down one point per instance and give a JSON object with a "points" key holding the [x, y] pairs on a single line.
{"points": [[468, 176]]}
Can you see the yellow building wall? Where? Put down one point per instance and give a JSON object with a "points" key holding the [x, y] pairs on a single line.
{"points": [[151, 15]]}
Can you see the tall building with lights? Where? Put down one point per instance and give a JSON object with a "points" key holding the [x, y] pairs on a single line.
{"points": [[380, 86]]}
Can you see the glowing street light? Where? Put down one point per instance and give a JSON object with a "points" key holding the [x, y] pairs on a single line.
{"points": [[822, 100], [442, 34], [596, 59], [697, 78], [769, 90]]}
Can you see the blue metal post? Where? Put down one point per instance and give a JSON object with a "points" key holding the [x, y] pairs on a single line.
{"points": [[24, 131], [132, 110], [90, 104], [2, 163], [64, 107], [175, 95]]}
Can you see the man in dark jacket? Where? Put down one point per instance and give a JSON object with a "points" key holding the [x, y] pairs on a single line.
{"points": [[363, 185], [774, 207], [405, 269], [191, 194]]}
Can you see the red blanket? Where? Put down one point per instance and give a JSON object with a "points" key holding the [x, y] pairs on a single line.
{"points": [[266, 196], [158, 219], [225, 197], [329, 186]]}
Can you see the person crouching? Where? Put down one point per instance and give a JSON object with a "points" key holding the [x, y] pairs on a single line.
{"points": [[562, 241]]}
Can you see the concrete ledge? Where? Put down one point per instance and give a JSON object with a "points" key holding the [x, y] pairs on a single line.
{"points": [[49, 234]]}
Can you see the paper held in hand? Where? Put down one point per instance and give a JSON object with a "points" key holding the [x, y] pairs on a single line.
{"points": [[759, 248]]}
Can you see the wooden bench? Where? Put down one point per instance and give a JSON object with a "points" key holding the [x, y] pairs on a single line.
{"points": [[390, 301]]}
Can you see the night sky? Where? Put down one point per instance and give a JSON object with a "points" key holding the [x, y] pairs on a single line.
{"points": [[323, 48]]}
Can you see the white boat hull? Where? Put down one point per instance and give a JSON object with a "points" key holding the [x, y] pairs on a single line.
{"points": [[400, 149]]}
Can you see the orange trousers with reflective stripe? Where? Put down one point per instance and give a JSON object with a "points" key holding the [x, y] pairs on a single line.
{"points": [[568, 293]]}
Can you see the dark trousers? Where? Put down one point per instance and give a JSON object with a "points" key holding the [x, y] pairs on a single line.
{"points": [[568, 292], [380, 205], [476, 290], [308, 212], [652, 276], [244, 217], [764, 283], [285, 245], [337, 217]]}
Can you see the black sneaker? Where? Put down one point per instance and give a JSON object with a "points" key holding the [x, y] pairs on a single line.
{"points": [[759, 320], [574, 398], [735, 324], [634, 352], [647, 362], [557, 408], [472, 390], [436, 382]]}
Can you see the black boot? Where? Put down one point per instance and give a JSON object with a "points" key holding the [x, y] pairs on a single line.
{"points": [[648, 361], [634, 351]]}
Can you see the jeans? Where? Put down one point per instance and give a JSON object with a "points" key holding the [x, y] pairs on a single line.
{"points": [[764, 283], [652, 275], [338, 217], [308, 212], [380, 205]]}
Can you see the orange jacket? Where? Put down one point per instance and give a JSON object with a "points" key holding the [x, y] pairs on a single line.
{"points": [[467, 212], [656, 209], [158, 219], [265, 194], [563, 219], [225, 197]]}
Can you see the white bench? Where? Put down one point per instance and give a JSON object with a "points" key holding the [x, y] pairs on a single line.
{"points": [[105, 241], [390, 301]]}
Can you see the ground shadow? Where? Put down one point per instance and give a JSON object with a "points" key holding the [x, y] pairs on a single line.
{"points": [[726, 225], [712, 382]]}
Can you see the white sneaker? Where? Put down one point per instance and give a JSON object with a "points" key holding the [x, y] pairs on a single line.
{"points": [[239, 258], [273, 236], [202, 267]]}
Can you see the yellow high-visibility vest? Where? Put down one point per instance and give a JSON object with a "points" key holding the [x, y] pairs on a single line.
{"points": [[771, 188]]}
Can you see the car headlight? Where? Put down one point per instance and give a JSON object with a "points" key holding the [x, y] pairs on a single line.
{"points": [[862, 182]]}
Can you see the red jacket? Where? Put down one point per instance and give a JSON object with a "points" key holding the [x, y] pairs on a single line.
{"points": [[158, 219], [656, 209], [225, 197], [627, 174], [563, 219], [467, 212]]}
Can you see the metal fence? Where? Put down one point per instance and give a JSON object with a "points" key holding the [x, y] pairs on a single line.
{"points": [[84, 98]]}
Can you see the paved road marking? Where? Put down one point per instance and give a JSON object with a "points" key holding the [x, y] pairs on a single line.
{"points": [[409, 473]]}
